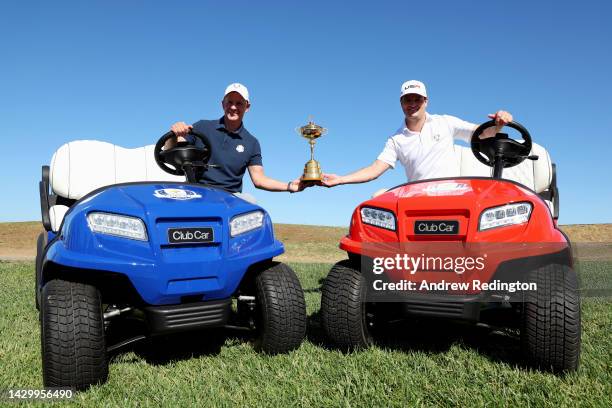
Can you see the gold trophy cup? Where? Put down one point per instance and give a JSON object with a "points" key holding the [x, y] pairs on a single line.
{"points": [[312, 169]]}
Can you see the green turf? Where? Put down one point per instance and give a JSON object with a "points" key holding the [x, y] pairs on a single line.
{"points": [[424, 364]]}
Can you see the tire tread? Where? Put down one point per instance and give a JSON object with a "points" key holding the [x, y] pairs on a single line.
{"points": [[342, 307], [551, 327], [283, 308], [72, 335]]}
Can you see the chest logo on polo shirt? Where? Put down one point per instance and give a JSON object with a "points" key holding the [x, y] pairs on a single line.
{"points": [[436, 137], [240, 148]]}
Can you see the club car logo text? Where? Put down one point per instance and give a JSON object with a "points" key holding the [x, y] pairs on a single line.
{"points": [[190, 235], [436, 227], [176, 194]]}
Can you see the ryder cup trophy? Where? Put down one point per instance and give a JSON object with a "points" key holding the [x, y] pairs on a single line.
{"points": [[312, 169]]}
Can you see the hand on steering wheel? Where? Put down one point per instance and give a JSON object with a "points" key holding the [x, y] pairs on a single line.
{"points": [[182, 154], [500, 147]]}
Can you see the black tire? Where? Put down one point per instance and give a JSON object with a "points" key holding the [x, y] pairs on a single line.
{"points": [[281, 310], [41, 243], [550, 327], [343, 307], [72, 335]]}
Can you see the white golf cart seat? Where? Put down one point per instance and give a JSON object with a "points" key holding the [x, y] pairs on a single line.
{"points": [[535, 174], [538, 175], [80, 167]]}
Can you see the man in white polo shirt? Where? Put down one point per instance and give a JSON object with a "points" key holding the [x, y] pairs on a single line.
{"points": [[424, 143]]}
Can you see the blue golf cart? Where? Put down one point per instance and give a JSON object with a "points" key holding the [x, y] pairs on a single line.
{"points": [[130, 234]]}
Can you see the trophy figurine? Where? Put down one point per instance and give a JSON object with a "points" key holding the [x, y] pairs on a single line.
{"points": [[312, 169]]}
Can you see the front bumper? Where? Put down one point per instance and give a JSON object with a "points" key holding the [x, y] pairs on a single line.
{"points": [[455, 308], [186, 317]]}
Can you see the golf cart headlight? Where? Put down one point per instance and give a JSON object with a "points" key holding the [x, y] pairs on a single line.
{"points": [[246, 222], [510, 214], [118, 225], [379, 218]]}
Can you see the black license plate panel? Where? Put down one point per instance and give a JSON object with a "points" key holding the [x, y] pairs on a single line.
{"points": [[190, 235], [436, 227]]}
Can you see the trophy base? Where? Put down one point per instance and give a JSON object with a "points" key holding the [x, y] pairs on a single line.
{"points": [[312, 171]]}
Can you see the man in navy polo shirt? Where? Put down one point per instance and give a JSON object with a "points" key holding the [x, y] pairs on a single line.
{"points": [[234, 149]]}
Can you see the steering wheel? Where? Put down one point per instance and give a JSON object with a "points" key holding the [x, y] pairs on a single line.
{"points": [[182, 154], [500, 147]]}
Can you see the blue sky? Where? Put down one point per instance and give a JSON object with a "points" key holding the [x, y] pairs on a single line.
{"points": [[123, 71]]}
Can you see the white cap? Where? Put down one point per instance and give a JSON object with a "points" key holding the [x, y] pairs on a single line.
{"points": [[236, 87], [413, 87]]}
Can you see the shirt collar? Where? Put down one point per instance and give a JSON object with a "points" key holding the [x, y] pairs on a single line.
{"points": [[239, 132], [404, 129]]}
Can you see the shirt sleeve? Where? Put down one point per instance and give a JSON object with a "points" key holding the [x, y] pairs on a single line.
{"points": [[389, 153], [460, 129], [255, 159]]}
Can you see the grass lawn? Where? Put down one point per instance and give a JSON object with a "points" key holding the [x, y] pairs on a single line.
{"points": [[423, 363]]}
